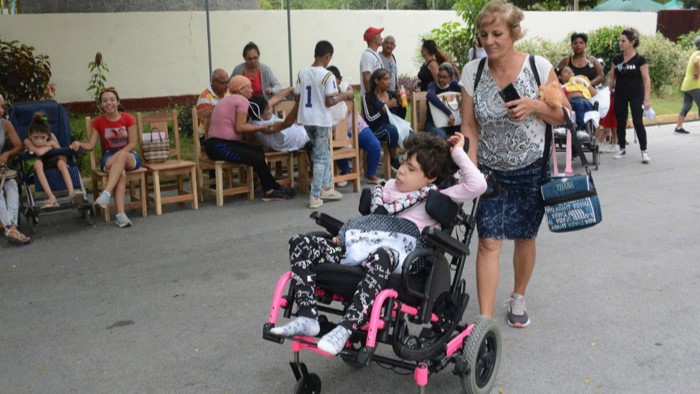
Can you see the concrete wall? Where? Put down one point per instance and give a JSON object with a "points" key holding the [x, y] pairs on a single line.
{"points": [[70, 6], [163, 54]]}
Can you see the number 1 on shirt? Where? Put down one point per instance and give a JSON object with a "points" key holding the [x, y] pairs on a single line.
{"points": [[308, 96]]}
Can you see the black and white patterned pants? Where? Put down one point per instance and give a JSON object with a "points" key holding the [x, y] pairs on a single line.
{"points": [[305, 252]]}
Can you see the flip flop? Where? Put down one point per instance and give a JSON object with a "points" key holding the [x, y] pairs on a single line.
{"points": [[77, 198], [50, 204], [16, 238]]}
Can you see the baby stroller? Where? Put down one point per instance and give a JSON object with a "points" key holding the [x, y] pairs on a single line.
{"points": [[587, 137], [21, 116], [419, 316]]}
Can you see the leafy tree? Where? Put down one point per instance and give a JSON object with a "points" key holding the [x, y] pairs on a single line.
{"points": [[24, 75]]}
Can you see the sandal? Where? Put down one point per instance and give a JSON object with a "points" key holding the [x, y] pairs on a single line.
{"points": [[77, 198], [16, 238], [50, 204]]}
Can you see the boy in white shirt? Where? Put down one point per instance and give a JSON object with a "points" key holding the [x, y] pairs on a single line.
{"points": [[316, 92]]}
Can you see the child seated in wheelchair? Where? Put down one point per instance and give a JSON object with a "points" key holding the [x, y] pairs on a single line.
{"points": [[428, 161], [578, 90], [40, 140]]}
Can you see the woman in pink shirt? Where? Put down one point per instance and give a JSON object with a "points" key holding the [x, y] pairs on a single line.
{"points": [[228, 121]]}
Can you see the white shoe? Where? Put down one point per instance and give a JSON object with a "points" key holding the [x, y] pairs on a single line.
{"points": [[620, 154], [609, 148], [330, 194], [583, 136], [103, 200], [315, 202], [645, 157], [342, 184], [121, 220]]}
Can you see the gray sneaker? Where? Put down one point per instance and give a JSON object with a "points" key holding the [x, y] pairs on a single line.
{"points": [[645, 157], [122, 220], [315, 202], [517, 315], [330, 194]]}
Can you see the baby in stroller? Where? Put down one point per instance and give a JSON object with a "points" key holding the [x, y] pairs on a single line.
{"points": [[578, 90], [379, 246]]}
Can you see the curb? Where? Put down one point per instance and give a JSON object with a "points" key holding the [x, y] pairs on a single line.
{"points": [[663, 119]]}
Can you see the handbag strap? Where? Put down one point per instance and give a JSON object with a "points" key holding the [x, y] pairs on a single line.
{"points": [[571, 140], [155, 130]]}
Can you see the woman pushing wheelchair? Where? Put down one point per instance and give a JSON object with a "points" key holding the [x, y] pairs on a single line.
{"points": [[379, 243]]}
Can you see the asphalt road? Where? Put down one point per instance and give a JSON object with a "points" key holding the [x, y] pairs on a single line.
{"points": [[176, 303]]}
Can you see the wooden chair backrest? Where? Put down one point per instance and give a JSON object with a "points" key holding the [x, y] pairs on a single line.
{"points": [[198, 148], [159, 121], [419, 110], [340, 138], [284, 106]]}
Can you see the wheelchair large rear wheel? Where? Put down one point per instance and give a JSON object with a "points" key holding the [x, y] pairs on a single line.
{"points": [[309, 384], [483, 355]]}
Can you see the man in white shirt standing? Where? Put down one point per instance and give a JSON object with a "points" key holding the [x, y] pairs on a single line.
{"points": [[389, 61], [370, 60]]}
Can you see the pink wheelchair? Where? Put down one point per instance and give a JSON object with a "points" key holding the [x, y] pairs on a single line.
{"points": [[418, 315]]}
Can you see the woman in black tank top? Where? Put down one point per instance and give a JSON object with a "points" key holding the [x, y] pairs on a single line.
{"points": [[580, 63]]}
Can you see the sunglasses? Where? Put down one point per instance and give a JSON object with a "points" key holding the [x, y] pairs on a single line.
{"points": [[108, 89]]}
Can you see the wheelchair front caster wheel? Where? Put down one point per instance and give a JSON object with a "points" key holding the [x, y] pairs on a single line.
{"points": [[309, 384]]}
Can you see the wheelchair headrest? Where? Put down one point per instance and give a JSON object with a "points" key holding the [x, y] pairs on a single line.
{"points": [[365, 202], [441, 208]]}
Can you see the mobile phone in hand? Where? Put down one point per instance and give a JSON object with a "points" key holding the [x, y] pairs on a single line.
{"points": [[509, 93]]}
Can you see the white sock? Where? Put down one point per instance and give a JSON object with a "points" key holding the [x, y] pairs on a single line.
{"points": [[300, 326], [333, 342]]}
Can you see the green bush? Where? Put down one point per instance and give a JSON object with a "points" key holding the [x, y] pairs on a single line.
{"points": [[686, 40], [666, 60], [25, 76], [602, 43], [553, 51]]}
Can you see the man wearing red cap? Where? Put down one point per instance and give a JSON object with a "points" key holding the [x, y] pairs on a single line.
{"points": [[370, 59]]}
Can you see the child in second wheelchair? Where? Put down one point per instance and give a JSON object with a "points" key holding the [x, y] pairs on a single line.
{"points": [[40, 141], [428, 161]]}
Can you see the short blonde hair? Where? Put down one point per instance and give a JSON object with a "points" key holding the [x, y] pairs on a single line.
{"points": [[511, 15]]}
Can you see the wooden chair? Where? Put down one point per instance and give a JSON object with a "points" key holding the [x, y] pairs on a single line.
{"points": [[347, 147], [174, 166], [419, 111], [283, 159], [133, 178], [342, 147], [242, 172]]}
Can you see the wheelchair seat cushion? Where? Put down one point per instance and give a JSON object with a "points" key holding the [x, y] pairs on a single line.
{"points": [[364, 234], [343, 280]]}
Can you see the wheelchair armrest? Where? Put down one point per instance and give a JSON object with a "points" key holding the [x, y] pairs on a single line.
{"points": [[24, 156], [444, 242], [406, 269], [331, 224]]}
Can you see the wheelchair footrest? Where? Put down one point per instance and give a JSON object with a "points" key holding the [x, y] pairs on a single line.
{"points": [[269, 336]]}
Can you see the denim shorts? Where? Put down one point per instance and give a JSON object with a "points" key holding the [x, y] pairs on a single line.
{"points": [[517, 211], [111, 153]]}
